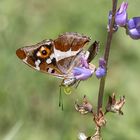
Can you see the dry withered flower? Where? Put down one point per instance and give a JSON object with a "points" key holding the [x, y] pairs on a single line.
{"points": [[85, 108], [99, 119], [115, 106]]}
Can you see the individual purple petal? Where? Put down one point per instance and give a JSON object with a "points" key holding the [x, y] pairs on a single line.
{"points": [[121, 15], [77, 71], [100, 72], [133, 28], [84, 62], [102, 62], [82, 73]]}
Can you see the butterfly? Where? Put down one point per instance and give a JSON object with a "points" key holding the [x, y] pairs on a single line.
{"points": [[60, 56]]}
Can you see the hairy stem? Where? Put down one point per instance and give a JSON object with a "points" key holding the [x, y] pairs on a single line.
{"points": [[106, 55]]}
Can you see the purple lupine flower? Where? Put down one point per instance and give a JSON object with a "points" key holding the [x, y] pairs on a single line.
{"points": [[82, 73], [121, 15], [133, 28], [101, 70], [115, 28]]}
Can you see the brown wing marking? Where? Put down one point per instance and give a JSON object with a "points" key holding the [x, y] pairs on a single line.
{"points": [[73, 41]]}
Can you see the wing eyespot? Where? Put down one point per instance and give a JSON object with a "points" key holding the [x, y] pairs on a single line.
{"points": [[44, 52]]}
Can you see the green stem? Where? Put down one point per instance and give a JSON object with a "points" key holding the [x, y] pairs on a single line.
{"points": [[106, 55]]}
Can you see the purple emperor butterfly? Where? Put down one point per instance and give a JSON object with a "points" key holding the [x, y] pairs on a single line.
{"points": [[62, 57]]}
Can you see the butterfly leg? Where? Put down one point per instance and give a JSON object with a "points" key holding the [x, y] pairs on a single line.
{"points": [[60, 97]]}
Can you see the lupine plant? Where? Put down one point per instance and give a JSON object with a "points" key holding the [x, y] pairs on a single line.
{"points": [[117, 18], [55, 56]]}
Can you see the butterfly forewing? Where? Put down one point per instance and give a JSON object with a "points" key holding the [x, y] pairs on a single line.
{"points": [[40, 57], [56, 57]]}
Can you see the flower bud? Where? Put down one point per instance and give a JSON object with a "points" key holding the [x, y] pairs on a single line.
{"points": [[121, 15], [115, 27]]}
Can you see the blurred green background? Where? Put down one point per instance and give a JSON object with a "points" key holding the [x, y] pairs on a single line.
{"points": [[29, 99]]}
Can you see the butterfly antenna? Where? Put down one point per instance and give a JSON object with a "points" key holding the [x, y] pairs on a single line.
{"points": [[61, 98]]}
